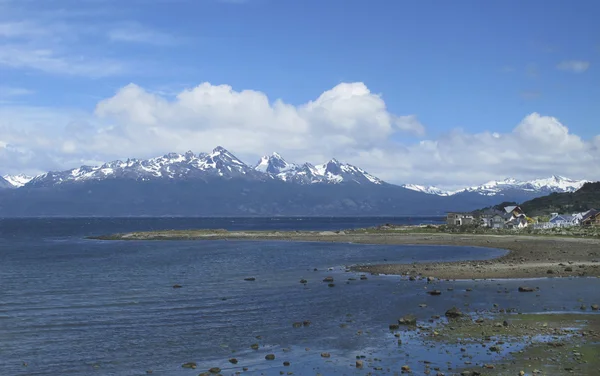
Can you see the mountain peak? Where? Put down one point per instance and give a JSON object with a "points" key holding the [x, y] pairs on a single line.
{"points": [[274, 164], [18, 180], [219, 150]]}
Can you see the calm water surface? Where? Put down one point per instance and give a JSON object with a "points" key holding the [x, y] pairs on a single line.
{"points": [[73, 306]]}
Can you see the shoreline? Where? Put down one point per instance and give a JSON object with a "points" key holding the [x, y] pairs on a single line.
{"points": [[528, 256]]}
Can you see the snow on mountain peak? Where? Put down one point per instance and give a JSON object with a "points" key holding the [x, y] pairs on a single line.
{"points": [[220, 162], [18, 180], [426, 189], [494, 187], [274, 164]]}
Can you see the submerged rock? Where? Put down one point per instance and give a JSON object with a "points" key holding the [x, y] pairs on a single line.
{"points": [[325, 355], [435, 292], [216, 369], [250, 279], [270, 357], [328, 279], [191, 365], [176, 286]]}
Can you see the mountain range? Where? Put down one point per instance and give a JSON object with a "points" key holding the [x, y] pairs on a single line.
{"points": [[498, 187], [220, 184]]}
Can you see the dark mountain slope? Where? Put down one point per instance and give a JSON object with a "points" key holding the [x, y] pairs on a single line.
{"points": [[587, 197]]}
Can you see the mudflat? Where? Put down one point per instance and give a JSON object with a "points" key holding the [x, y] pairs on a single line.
{"points": [[528, 257]]}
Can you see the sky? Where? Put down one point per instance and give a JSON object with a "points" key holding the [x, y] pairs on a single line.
{"points": [[445, 93]]}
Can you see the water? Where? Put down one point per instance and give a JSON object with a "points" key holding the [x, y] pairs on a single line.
{"points": [[73, 306]]}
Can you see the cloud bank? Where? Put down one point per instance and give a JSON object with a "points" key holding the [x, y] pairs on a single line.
{"points": [[347, 122]]}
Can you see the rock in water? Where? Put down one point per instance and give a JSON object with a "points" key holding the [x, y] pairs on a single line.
{"points": [[407, 320], [191, 365], [526, 289], [328, 279], [270, 357], [453, 313], [250, 279]]}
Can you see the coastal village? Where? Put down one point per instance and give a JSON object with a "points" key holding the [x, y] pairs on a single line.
{"points": [[513, 217]]}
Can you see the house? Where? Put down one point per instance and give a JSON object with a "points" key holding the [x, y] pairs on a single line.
{"points": [[517, 218], [460, 219], [591, 218], [562, 220], [492, 219]]}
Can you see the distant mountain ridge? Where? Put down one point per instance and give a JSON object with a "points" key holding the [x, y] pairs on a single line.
{"points": [[219, 163], [220, 184], [500, 187]]}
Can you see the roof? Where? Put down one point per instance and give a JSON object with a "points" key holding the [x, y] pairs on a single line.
{"points": [[591, 213], [509, 209]]}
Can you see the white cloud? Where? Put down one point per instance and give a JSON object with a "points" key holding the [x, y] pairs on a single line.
{"points": [[347, 122], [574, 66]]}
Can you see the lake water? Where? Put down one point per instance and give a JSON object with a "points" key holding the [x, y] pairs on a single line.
{"points": [[74, 306]]}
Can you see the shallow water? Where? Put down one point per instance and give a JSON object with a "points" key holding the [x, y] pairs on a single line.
{"points": [[73, 306]]}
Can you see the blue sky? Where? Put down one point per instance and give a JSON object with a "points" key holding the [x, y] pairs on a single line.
{"points": [[449, 79]]}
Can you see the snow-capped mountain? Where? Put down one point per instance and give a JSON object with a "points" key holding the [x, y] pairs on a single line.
{"points": [[499, 187], [332, 172], [274, 164], [426, 189], [219, 163], [17, 181], [544, 186]]}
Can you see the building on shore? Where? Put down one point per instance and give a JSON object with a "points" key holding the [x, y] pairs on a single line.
{"points": [[460, 219], [591, 218]]}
